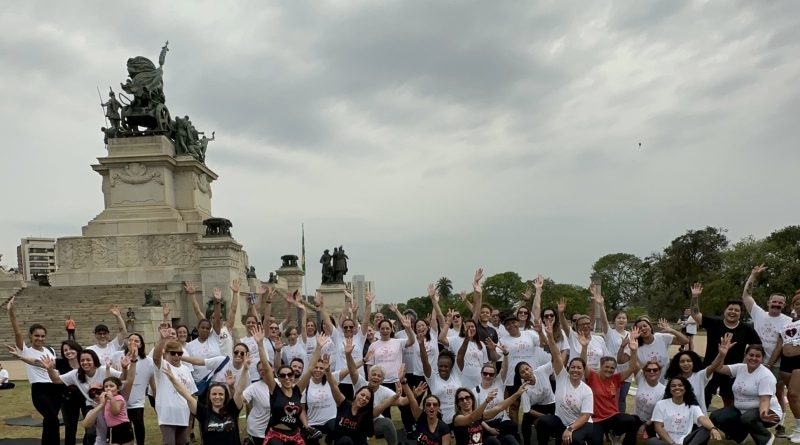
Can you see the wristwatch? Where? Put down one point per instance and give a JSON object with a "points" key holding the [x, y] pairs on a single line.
{"points": [[570, 429]]}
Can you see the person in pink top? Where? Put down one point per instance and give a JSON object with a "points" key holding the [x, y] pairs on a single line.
{"points": [[115, 413]]}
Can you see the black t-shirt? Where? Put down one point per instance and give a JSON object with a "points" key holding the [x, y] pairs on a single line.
{"points": [[71, 392], [743, 335], [357, 426], [427, 437], [219, 429], [485, 332], [285, 410], [471, 434]]}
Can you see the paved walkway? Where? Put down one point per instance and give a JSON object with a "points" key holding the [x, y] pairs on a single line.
{"points": [[16, 369]]}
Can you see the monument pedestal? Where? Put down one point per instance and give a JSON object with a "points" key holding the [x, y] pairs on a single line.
{"points": [[334, 297]]}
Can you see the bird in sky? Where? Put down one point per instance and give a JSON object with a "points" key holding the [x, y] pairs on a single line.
{"points": [[640, 144]]}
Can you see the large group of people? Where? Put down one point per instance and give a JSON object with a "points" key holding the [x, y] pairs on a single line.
{"points": [[488, 376]]}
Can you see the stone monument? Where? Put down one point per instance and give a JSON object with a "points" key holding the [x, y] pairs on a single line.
{"points": [[334, 267]]}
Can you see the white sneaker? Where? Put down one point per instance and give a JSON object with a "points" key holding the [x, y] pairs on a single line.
{"points": [[795, 437], [771, 439]]}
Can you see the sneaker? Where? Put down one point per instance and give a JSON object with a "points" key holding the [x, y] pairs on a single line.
{"points": [[780, 431], [617, 440], [313, 433], [795, 437], [771, 439]]}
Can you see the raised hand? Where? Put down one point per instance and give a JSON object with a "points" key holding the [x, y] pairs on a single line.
{"points": [[538, 282], [463, 296], [47, 362], [300, 304], [348, 345], [405, 321], [663, 324], [230, 379], [420, 389], [537, 325], [490, 343], [167, 370], [277, 344], [270, 294], [369, 297], [522, 388], [164, 332], [596, 297], [165, 310], [492, 395], [476, 281], [258, 333], [562, 305], [757, 270], [125, 361], [503, 348], [262, 290], [527, 294], [14, 351], [548, 326], [348, 296], [584, 339], [725, 343], [322, 340], [188, 286], [114, 310], [697, 289], [235, 286], [248, 359], [319, 300], [217, 294]]}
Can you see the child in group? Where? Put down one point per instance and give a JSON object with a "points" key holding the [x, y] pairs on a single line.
{"points": [[120, 431]]}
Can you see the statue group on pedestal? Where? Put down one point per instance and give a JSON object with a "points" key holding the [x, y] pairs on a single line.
{"points": [[334, 266], [146, 112]]}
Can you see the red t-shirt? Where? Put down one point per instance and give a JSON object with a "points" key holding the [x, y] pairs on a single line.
{"points": [[606, 395]]}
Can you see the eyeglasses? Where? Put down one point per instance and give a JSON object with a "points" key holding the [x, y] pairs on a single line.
{"points": [[549, 315], [242, 353], [652, 370], [488, 374], [462, 398], [285, 375], [178, 353]]}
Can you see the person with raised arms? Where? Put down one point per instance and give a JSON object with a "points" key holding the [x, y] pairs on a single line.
{"points": [[469, 427], [677, 414], [687, 364]]}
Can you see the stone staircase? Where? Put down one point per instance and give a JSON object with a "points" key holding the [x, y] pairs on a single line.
{"points": [[87, 305]]}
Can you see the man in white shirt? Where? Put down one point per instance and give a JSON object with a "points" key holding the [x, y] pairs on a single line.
{"points": [[106, 346], [768, 324]]}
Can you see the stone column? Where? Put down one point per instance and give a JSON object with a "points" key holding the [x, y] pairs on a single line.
{"points": [[290, 278], [221, 261]]}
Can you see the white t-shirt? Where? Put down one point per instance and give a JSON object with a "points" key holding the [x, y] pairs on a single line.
{"points": [[482, 393], [291, 352], [204, 350], [543, 357], [699, 380], [381, 394], [520, 349], [145, 368], [320, 406], [105, 353], [613, 340], [257, 397], [431, 348], [657, 351], [571, 402], [749, 386], [358, 353], [255, 357], [171, 407], [35, 373], [388, 354], [646, 397], [71, 378], [769, 328], [678, 420], [691, 326], [408, 353], [791, 333], [445, 390], [594, 351], [474, 359], [540, 393], [225, 341]]}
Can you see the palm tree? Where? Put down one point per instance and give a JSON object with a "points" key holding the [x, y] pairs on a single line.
{"points": [[445, 287]]}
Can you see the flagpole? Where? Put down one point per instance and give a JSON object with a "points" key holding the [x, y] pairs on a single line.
{"points": [[303, 257]]}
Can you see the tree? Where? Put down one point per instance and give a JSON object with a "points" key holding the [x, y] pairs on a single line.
{"points": [[503, 290], [621, 275], [445, 287]]}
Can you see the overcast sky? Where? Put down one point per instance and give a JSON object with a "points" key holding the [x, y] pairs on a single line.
{"points": [[429, 138]]}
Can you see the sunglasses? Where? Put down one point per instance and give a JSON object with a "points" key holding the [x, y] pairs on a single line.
{"points": [[285, 375], [462, 398], [242, 353], [432, 404], [549, 315], [178, 353], [457, 316], [348, 328], [488, 374], [652, 370], [95, 392]]}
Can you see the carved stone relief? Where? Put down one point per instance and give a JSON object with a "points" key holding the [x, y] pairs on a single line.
{"points": [[136, 173], [202, 183], [127, 251]]}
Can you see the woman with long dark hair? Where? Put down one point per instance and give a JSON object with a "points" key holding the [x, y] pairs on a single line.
{"points": [[218, 411], [73, 399], [468, 420], [654, 345], [688, 364], [677, 414], [145, 374], [354, 422], [430, 428]]}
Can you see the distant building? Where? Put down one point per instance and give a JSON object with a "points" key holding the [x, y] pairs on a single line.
{"points": [[359, 287], [36, 256]]}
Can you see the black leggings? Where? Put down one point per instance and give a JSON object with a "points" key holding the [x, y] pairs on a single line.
{"points": [[619, 424], [136, 416], [528, 421], [551, 426], [71, 413], [46, 398]]}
